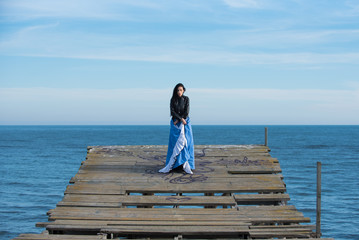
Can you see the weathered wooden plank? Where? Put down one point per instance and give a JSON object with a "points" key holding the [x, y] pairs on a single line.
{"points": [[158, 211], [132, 178], [129, 212], [226, 238], [253, 169], [103, 223], [149, 148], [153, 174], [144, 228], [255, 214], [280, 234], [133, 200], [140, 167], [130, 217], [220, 238], [182, 183], [224, 151], [259, 218], [261, 198], [273, 230], [209, 188], [150, 160], [185, 181], [154, 157], [187, 210], [208, 150], [183, 230], [31, 236], [302, 239], [280, 227]]}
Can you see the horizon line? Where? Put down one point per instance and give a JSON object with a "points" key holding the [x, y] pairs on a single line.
{"points": [[13, 125]]}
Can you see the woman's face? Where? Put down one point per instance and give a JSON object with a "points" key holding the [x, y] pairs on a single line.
{"points": [[180, 91]]}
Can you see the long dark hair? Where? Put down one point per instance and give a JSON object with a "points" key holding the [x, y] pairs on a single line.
{"points": [[174, 94]]}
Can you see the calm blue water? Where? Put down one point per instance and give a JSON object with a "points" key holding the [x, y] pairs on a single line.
{"points": [[36, 163]]}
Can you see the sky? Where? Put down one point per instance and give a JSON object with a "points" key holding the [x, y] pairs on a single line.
{"points": [[245, 62]]}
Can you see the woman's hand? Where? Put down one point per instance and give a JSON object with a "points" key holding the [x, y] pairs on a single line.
{"points": [[175, 122], [183, 121]]}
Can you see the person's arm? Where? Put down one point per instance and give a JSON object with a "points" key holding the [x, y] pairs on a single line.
{"points": [[173, 112], [186, 108], [186, 111]]}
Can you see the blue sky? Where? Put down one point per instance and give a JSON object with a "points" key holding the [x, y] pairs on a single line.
{"points": [[116, 62]]}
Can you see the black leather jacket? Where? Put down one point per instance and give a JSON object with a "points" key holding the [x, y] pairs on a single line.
{"points": [[179, 108]]}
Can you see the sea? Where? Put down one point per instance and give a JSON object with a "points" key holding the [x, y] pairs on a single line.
{"points": [[37, 162]]}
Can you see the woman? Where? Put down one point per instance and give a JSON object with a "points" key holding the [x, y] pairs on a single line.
{"points": [[180, 147]]}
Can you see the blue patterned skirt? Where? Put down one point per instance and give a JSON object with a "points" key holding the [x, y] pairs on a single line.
{"points": [[180, 147]]}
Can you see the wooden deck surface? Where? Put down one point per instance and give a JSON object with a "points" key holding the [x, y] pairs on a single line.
{"points": [[236, 192]]}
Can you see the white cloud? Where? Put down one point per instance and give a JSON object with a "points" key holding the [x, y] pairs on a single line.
{"points": [[257, 46], [284, 39], [150, 106], [83, 105], [203, 57], [106, 9], [214, 47]]}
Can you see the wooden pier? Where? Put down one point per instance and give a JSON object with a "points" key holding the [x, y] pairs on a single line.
{"points": [[236, 192]]}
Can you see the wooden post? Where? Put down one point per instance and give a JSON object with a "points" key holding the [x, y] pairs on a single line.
{"points": [[319, 197], [266, 136]]}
